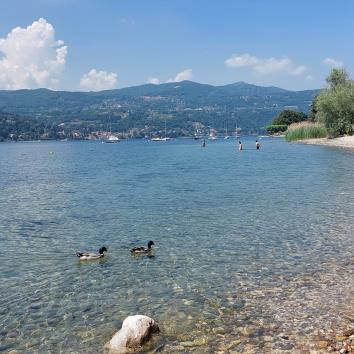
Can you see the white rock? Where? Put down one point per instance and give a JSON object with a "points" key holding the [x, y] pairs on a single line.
{"points": [[136, 330]]}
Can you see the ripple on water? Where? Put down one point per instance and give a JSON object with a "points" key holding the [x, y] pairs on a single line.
{"points": [[251, 255]]}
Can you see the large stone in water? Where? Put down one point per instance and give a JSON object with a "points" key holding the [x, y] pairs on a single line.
{"points": [[136, 330]]}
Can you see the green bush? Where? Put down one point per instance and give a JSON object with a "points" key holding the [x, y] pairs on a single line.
{"points": [[305, 130], [276, 128], [288, 117], [336, 108]]}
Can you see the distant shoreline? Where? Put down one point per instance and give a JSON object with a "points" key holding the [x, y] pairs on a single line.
{"points": [[345, 142], [189, 137]]}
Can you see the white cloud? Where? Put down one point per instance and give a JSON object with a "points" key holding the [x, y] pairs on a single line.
{"points": [[265, 66], [308, 78], [243, 60], [333, 63], [31, 57], [153, 80], [96, 80], [186, 74]]}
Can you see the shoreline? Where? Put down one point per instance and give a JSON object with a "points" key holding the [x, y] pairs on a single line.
{"points": [[345, 142]]}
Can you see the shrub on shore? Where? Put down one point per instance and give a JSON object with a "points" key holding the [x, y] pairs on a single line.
{"points": [[288, 117], [305, 130], [335, 105], [281, 122], [276, 128]]}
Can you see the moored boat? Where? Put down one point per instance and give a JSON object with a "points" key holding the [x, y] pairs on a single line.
{"points": [[160, 139], [112, 139]]}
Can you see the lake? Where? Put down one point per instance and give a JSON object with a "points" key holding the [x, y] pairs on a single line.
{"points": [[254, 249]]}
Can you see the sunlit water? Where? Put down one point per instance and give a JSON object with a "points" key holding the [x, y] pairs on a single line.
{"points": [[254, 248]]}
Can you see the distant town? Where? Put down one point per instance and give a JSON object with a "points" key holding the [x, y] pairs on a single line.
{"points": [[145, 111]]}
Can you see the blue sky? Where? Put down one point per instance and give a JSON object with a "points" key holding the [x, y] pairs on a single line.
{"points": [[291, 44]]}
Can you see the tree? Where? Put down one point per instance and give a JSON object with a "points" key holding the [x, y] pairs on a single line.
{"points": [[288, 117], [313, 110], [337, 77], [336, 108], [273, 129]]}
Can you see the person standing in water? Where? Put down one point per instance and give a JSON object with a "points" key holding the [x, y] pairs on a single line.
{"points": [[204, 144], [240, 147], [258, 145]]}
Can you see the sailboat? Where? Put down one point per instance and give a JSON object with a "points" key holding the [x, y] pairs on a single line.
{"points": [[212, 135], [237, 132], [198, 134], [162, 139], [226, 135], [111, 138]]}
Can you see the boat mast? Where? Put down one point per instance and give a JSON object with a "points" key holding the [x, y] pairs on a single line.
{"points": [[236, 133]]}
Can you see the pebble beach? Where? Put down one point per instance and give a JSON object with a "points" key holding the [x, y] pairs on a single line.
{"points": [[344, 142]]}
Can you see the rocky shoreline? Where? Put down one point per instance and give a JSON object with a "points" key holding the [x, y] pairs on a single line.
{"points": [[338, 343], [307, 314]]}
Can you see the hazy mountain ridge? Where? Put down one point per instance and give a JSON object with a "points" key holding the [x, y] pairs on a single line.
{"points": [[181, 104]]}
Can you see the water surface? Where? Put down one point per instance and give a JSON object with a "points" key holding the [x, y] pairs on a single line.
{"points": [[254, 248]]}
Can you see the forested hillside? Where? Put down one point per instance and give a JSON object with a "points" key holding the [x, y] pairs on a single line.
{"points": [[145, 109]]}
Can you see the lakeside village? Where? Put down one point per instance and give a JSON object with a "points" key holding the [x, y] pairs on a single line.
{"points": [[147, 132], [330, 115], [200, 133]]}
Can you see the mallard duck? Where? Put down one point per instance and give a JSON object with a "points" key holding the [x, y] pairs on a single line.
{"points": [[140, 250], [86, 256]]}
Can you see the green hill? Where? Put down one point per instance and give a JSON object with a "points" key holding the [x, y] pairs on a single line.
{"points": [[183, 105]]}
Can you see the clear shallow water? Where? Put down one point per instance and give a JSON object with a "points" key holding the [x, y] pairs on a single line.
{"points": [[253, 246]]}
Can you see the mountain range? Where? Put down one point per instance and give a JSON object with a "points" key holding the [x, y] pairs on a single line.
{"points": [[181, 107]]}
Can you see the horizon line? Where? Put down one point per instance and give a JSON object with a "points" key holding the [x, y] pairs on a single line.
{"points": [[151, 84]]}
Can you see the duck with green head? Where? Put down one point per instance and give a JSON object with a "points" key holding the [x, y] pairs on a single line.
{"points": [[143, 250], [88, 256]]}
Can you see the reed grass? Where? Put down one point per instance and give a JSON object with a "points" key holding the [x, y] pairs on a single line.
{"points": [[305, 130]]}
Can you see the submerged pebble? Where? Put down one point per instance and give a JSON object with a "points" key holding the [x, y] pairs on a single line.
{"points": [[7, 346], [14, 334], [219, 330], [261, 282]]}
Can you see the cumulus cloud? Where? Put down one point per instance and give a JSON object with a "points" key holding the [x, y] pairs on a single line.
{"points": [[265, 66], [96, 80], [186, 74], [31, 57], [333, 63], [153, 80]]}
